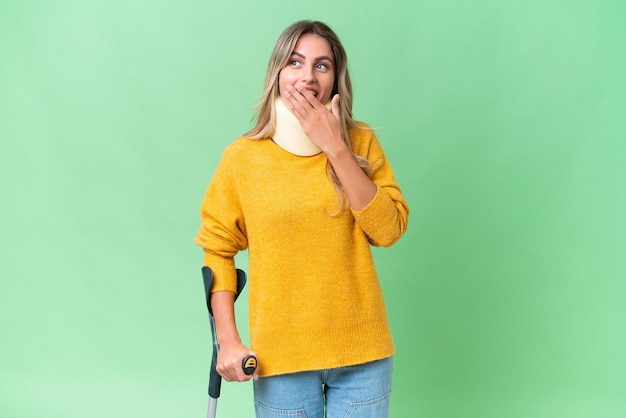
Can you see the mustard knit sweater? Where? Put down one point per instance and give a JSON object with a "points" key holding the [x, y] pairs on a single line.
{"points": [[314, 297]]}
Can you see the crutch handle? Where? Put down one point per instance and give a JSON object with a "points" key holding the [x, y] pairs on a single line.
{"points": [[249, 364]]}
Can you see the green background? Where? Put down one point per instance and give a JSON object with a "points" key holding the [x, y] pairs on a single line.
{"points": [[503, 121]]}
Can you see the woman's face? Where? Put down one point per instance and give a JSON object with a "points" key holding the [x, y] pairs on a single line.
{"points": [[311, 66]]}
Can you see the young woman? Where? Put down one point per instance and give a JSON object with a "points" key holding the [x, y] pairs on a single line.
{"points": [[306, 191]]}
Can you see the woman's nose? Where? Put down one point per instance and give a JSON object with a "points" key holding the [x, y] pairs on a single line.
{"points": [[308, 74]]}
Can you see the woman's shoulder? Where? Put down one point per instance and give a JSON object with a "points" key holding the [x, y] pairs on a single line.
{"points": [[361, 131], [358, 125], [362, 137], [241, 147]]}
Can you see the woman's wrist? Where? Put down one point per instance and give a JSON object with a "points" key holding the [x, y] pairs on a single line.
{"points": [[337, 151], [229, 339]]}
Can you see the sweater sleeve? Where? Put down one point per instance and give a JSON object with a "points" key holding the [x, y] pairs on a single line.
{"points": [[385, 219], [222, 231]]}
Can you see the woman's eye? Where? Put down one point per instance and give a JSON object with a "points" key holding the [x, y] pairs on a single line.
{"points": [[294, 63], [321, 67]]}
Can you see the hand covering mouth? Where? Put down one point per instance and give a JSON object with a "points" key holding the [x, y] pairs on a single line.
{"points": [[315, 93]]}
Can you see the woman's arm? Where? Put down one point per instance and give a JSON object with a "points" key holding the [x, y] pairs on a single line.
{"points": [[324, 129], [232, 351], [358, 187], [377, 202]]}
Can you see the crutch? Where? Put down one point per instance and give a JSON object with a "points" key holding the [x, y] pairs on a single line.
{"points": [[248, 364]]}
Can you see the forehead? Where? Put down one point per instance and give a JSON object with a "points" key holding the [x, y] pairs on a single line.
{"points": [[313, 46]]}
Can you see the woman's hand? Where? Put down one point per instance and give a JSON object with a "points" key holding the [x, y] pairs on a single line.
{"points": [[321, 126], [232, 351], [324, 129], [229, 362]]}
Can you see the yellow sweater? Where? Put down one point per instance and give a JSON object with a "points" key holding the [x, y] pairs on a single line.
{"points": [[314, 297]]}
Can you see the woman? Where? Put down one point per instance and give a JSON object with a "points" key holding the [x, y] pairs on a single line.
{"points": [[306, 191]]}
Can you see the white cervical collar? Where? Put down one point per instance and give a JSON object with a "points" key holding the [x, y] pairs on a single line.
{"points": [[289, 134]]}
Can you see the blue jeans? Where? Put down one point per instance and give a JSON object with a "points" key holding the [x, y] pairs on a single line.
{"points": [[360, 391]]}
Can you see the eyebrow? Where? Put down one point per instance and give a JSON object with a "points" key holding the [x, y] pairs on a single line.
{"points": [[323, 57]]}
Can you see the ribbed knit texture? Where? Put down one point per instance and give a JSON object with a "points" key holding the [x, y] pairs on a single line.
{"points": [[314, 297]]}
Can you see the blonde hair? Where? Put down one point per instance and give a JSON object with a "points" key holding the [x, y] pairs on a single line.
{"points": [[265, 117]]}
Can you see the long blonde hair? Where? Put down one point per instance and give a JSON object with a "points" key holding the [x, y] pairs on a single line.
{"points": [[265, 117]]}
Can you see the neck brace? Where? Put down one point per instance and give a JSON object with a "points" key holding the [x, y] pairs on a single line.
{"points": [[289, 134]]}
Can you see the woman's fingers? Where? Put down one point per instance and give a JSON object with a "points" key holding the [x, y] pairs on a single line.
{"points": [[301, 101], [321, 126], [335, 109], [229, 363]]}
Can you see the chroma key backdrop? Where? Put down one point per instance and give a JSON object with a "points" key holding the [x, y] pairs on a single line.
{"points": [[503, 121]]}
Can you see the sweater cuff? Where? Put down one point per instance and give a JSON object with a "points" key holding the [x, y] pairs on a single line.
{"points": [[224, 274], [377, 212]]}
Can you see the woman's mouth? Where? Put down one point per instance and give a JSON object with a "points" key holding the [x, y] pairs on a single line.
{"points": [[314, 92]]}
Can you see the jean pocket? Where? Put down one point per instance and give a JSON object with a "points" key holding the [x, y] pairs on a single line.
{"points": [[265, 411], [377, 407]]}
